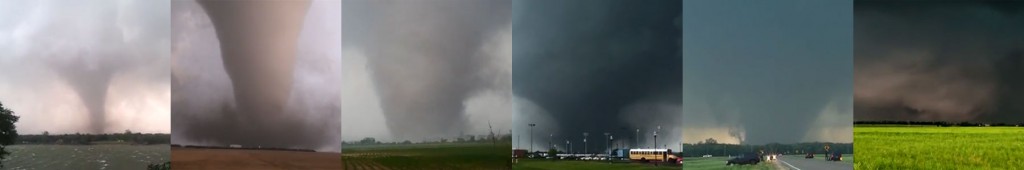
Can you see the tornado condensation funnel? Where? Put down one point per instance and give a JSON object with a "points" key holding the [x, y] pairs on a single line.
{"points": [[258, 40]]}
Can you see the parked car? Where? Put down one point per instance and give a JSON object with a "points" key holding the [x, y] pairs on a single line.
{"points": [[744, 159]]}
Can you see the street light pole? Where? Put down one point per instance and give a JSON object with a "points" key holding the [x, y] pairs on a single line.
{"points": [[612, 139], [656, 145], [550, 146], [531, 136], [567, 147], [656, 137]]}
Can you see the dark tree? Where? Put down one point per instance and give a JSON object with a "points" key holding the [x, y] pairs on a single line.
{"points": [[7, 131], [711, 141]]}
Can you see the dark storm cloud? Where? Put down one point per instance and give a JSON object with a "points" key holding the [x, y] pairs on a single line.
{"points": [[940, 61], [599, 66], [762, 72], [426, 59]]}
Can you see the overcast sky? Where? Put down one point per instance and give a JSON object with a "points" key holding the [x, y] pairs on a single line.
{"points": [[940, 61], [757, 72], [425, 70], [86, 66]]}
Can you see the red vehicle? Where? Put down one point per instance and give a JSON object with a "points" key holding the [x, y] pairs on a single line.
{"points": [[519, 153]]}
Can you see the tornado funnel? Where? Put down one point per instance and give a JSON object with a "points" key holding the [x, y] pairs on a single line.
{"points": [[258, 47], [91, 85]]}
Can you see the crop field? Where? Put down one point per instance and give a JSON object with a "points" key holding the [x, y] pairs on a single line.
{"points": [[196, 158], [85, 156], [427, 156], [719, 163], [538, 164], [938, 147]]}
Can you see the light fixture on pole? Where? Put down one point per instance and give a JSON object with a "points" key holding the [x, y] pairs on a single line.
{"points": [[568, 147], [656, 144]]}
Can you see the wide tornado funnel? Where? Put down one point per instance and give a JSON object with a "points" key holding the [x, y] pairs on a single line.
{"points": [[258, 45], [258, 42]]}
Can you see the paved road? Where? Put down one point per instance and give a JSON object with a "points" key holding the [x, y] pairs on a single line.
{"points": [[797, 162]]}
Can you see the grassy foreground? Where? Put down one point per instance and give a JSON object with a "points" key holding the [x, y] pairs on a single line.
{"points": [[538, 164], [918, 147], [85, 156], [428, 156], [719, 163]]}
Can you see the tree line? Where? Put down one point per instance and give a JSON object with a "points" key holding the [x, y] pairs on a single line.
{"points": [[465, 139], [713, 148], [86, 139], [934, 123]]}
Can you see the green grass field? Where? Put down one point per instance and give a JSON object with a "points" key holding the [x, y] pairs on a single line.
{"points": [[918, 147], [539, 164], [428, 156], [85, 156], [719, 163]]}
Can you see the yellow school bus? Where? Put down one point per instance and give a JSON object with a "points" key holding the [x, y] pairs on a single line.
{"points": [[651, 155]]}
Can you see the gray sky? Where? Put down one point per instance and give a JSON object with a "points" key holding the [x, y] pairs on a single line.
{"points": [[203, 92], [425, 70], [757, 72], [86, 66]]}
